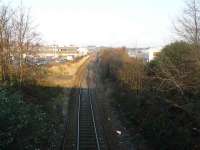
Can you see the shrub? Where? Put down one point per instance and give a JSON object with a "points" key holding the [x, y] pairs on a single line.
{"points": [[177, 69], [22, 125], [154, 96], [26, 125]]}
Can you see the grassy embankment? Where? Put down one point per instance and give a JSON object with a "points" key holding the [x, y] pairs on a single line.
{"points": [[33, 116]]}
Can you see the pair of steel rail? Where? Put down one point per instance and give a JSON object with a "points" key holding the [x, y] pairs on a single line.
{"points": [[94, 128]]}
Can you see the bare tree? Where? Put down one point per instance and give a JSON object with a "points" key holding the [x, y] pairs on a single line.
{"points": [[5, 40], [17, 37], [188, 25], [24, 37]]}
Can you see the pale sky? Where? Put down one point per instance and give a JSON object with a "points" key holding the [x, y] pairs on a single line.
{"points": [[132, 23]]}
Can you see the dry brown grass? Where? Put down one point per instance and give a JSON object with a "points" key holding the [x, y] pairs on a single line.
{"points": [[62, 75]]}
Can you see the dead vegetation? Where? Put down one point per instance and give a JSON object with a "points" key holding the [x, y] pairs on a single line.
{"points": [[161, 110], [62, 75]]}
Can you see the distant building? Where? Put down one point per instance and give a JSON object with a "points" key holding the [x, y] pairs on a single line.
{"points": [[69, 54], [67, 48], [153, 53], [148, 54], [83, 51], [92, 48], [138, 53]]}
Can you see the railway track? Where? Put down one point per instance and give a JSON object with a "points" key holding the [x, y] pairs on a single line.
{"points": [[83, 129], [87, 135]]}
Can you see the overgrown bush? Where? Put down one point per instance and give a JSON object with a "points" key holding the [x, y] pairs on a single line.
{"points": [[25, 125], [155, 96], [22, 125], [177, 70]]}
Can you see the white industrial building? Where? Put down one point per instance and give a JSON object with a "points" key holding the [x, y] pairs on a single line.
{"points": [[148, 54], [82, 51], [153, 53]]}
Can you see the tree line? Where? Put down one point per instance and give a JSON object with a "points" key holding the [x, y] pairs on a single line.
{"points": [[161, 98], [31, 115]]}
